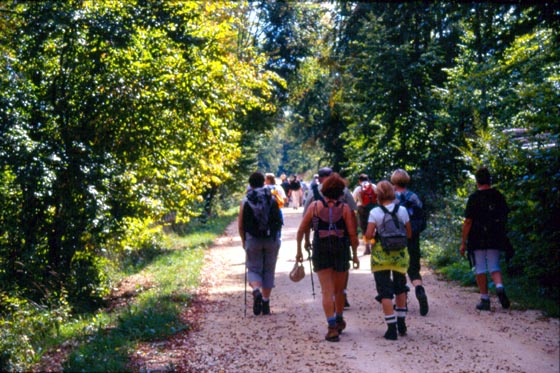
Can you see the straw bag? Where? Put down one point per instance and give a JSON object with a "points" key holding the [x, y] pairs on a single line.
{"points": [[297, 273]]}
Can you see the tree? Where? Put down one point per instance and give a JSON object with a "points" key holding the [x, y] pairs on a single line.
{"points": [[114, 110]]}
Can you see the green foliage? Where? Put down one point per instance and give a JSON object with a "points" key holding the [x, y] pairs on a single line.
{"points": [[520, 146], [25, 327], [113, 111]]}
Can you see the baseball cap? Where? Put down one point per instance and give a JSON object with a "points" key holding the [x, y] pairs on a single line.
{"points": [[325, 171]]}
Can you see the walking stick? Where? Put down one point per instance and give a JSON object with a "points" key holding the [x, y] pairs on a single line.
{"points": [[307, 248], [245, 310]]}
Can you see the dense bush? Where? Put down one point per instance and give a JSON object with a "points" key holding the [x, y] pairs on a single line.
{"points": [[25, 327]]}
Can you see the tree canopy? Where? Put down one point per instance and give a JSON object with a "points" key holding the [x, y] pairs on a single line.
{"points": [[113, 112]]}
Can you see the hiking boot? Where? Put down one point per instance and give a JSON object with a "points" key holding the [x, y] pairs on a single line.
{"points": [[346, 304], [484, 305], [504, 301], [266, 307], [257, 302], [401, 325], [340, 324], [391, 333], [422, 300], [332, 334]]}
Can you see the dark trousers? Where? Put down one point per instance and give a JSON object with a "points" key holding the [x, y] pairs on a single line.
{"points": [[414, 253], [388, 287]]}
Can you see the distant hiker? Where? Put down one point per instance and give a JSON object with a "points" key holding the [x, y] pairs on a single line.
{"points": [[316, 195], [315, 192], [389, 257], [259, 223], [285, 184], [296, 192], [366, 199], [334, 226], [276, 190], [413, 205], [484, 236]]}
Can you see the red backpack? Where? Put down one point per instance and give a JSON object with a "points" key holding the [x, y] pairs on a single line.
{"points": [[369, 198]]}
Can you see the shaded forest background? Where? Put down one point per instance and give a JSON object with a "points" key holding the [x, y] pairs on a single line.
{"points": [[119, 115]]}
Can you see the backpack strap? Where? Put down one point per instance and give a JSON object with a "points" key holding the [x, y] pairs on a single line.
{"points": [[392, 213], [316, 194]]}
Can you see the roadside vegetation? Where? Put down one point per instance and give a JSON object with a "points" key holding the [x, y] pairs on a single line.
{"points": [[119, 116], [166, 268]]}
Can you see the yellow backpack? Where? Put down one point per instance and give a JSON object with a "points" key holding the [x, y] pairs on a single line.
{"points": [[279, 199]]}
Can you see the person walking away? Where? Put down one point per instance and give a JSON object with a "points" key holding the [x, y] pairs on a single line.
{"points": [[484, 236], [285, 184], [295, 192], [410, 200], [389, 257], [259, 224], [366, 199], [347, 198], [334, 226], [276, 190]]}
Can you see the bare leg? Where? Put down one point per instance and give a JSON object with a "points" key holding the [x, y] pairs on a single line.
{"points": [[327, 290], [482, 282]]}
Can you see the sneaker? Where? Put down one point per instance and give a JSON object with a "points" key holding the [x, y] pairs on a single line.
{"points": [[422, 300], [484, 305], [257, 302], [391, 333], [346, 304], [501, 292], [340, 325], [266, 307], [401, 326], [332, 334]]}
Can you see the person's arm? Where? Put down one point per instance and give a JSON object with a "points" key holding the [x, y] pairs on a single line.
{"points": [[370, 232], [408, 230], [351, 226], [352, 229], [465, 235], [303, 232], [240, 225]]}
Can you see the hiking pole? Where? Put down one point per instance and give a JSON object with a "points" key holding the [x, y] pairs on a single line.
{"points": [[245, 310], [307, 248]]}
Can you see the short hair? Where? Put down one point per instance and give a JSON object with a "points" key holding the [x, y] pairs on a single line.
{"points": [[363, 177], [400, 177], [333, 186], [483, 176], [256, 180], [270, 178], [385, 191]]}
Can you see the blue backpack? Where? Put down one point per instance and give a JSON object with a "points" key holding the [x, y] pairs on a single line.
{"points": [[417, 215]]}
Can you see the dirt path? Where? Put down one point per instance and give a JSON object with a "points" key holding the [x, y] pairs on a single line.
{"points": [[453, 337]]}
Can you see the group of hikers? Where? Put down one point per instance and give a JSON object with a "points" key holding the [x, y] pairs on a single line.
{"points": [[390, 219]]}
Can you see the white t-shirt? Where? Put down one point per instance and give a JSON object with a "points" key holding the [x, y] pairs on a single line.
{"points": [[376, 214]]}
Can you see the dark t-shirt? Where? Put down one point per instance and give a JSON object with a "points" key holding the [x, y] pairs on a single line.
{"points": [[488, 210], [295, 185]]}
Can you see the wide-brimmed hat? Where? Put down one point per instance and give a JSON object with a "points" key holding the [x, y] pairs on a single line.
{"points": [[297, 273]]}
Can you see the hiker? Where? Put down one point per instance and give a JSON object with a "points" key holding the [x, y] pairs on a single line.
{"points": [[410, 200], [276, 190], [259, 223], [334, 226], [346, 197], [388, 262], [285, 184], [484, 236], [295, 193], [366, 199]]}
